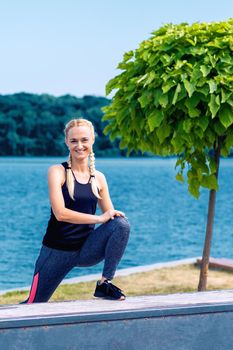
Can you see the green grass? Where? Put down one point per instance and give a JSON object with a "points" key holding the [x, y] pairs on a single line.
{"points": [[160, 281]]}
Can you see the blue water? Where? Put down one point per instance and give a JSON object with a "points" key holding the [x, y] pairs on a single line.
{"points": [[167, 223]]}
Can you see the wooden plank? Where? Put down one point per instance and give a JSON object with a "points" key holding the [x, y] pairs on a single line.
{"points": [[221, 263]]}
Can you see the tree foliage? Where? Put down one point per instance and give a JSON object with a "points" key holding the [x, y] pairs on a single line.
{"points": [[175, 96], [33, 124]]}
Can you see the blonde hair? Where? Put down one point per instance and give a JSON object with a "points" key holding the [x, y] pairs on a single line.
{"points": [[69, 174]]}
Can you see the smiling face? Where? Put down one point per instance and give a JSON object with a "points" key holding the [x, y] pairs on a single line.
{"points": [[79, 140]]}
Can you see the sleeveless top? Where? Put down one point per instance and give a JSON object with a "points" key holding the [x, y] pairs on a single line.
{"points": [[64, 235]]}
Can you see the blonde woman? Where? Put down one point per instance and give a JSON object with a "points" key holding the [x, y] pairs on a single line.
{"points": [[75, 189]]}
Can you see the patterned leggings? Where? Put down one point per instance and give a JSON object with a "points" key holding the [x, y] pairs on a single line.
{"points": [[107, 242]]}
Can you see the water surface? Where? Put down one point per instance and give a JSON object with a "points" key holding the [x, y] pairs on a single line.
{"points": [[167, 223]]}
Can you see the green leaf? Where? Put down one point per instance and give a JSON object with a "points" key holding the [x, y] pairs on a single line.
{"points": [[224, 152], [205, 70], [226, 116], [190, 87], [229, 140], [214, 104], [144, 99], [107, 129], [193, 112], [203, 167], [225, 95], [212, 85], [123, 143], [212, 165], [155, 119], [167, 86], [187, 124], [230, 101], [177, 143], [194, 187], [203, 122], [128, 55], [142, 78], [210, 135], [157, 94], [163, 131], [209, 181], [163, 100], [112, 84], [113, 135], [150, 77], [204, 90], [179, 177], [177, 91], [198, 132], [219, 128]]}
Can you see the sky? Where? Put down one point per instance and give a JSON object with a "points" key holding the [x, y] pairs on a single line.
{"points": [[73, 47]]}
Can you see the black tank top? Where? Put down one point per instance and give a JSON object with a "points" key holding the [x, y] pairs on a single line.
{"points": [[63, 235]]}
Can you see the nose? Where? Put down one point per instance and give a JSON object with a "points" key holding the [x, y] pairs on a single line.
{"points": [[79, 145]]}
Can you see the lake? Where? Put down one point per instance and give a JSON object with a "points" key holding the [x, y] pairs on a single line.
{"points": [[166, 222]]}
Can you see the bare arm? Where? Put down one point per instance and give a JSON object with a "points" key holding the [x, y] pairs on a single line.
{"points": [[105, 202], [56, 178]]}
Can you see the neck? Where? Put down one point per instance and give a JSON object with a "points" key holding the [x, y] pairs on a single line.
{"points": [[80, 166]]}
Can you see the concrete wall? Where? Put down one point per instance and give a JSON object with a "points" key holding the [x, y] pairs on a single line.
{"points": [[202, 327]]}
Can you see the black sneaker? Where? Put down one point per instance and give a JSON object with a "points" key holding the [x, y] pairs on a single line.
{"points": [[107, 290]]}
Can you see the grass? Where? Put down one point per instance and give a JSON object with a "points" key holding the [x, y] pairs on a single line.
{"points": [[177, 279]]}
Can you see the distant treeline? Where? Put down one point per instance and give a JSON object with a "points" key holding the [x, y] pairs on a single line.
{"points": [[32, 125]]}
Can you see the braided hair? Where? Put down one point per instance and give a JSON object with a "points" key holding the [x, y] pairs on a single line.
{"points": [[69, 175]]}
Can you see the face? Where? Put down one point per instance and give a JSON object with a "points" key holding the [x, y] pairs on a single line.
{"points": [[79, 141]]}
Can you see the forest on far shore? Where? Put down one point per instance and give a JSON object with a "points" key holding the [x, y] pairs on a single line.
{"points": [[33, 125]]}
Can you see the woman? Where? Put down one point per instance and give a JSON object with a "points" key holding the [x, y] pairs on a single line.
{"points": [[71, 239]]}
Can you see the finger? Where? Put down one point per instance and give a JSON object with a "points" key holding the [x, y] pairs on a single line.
{"points": [[120, 213]]}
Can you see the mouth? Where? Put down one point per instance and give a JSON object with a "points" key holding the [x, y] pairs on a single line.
{"points": [[80, 152]]}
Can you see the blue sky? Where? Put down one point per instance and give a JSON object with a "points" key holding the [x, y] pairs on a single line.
{"points": [[67, 46]]}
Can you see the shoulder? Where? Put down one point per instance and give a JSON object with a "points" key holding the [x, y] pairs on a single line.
{"points": [[56, 172], [101, 180], [100, 176], [56, 169]]}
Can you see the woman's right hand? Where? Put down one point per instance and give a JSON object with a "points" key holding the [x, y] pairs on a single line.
{"points": [[109, 214]]}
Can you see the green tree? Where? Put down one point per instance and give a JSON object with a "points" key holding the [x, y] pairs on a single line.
{"points": [[175, 96]]}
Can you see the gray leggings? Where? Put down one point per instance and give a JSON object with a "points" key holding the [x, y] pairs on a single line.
{"points": [[107, 242]]}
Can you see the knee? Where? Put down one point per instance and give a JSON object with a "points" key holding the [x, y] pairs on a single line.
{"points": [[122, 225]]}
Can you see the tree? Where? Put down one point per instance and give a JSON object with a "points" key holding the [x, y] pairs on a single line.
{"points": [[174, 96]]}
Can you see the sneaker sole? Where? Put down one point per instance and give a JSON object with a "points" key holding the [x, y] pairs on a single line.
{"points": [[102, 296]]}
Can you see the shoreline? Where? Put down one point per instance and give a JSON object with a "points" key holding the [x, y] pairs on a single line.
{"points": [[120, 272]]}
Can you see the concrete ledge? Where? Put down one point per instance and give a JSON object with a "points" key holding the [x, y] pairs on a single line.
{"points": [[166, 322]]}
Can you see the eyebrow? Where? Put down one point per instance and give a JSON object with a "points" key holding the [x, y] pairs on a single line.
{"points": [[82, 138]]}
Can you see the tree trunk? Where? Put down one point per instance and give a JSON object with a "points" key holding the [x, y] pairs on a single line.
{"points": [[209, 227]]}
